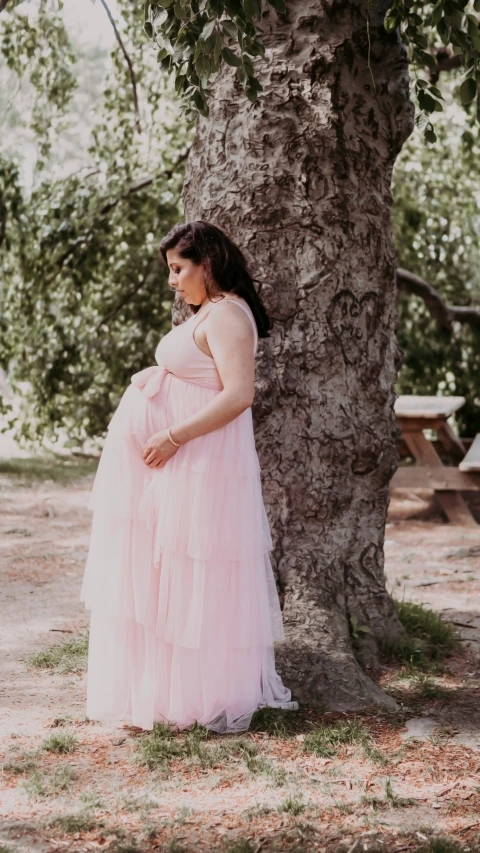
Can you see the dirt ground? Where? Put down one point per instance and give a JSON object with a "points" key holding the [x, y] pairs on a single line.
{"points": [[412, 776]]}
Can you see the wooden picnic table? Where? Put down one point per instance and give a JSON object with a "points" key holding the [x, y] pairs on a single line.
{"points": [[415, 414]]}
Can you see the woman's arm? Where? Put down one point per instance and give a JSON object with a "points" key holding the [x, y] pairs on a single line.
{"points": [[230, 339]]}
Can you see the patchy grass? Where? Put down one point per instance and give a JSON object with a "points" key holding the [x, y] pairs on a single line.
{"points": [[428, 637], [274, 721], [198, 745], [374, 754], [75, 822], [60, 742], [426, 688], [138, 803], [325, 741], [175, 846], [91, 800], [243, 845], [55, 467], [293, 804], [124, 845], [43, 784], [390, 800], [24, 762], [395, 801], [70, 656], [258, 810], [442, 845], [262, 766]]}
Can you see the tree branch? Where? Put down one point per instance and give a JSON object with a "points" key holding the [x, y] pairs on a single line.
{"points": [[128, 61], [444, 315], [446, 61], [113, 313], [145, 182]]}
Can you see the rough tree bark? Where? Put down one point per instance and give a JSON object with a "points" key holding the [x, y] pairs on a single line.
{"points": [[301, 180]]}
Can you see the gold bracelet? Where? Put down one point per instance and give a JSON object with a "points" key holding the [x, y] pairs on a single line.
{"points": [[171, 439]]}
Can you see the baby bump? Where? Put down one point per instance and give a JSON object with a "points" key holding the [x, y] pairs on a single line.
{"points": [[138, 417], [155, 400]]}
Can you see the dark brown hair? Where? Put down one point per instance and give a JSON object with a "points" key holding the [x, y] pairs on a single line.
{"points": [[224, 263]]}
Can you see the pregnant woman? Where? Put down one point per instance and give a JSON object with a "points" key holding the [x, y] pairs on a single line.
{"points": [[184, 607]]}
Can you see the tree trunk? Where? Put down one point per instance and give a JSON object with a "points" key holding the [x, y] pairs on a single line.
{"points": [[301, 181]]}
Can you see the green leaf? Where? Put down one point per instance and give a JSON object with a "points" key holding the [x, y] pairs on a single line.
{"points": [[468, 90], [420, 41], [162, 54], [476, 5], [437, 13], [425, 58], [251, 94], [436, 91], [171, 24], [242, 76], [253, 83], [231, 58], [248, 65], [233, 7], [200, 102], [179, 11], [210, 42], [426, 102], [208, 29], [148, 28], [218, 48], [392, 20], [252, 9], [165, 3], [198, 49], [255, 48], [278, 5], [459, 37], [421, 83], [180, 84], [430, 135], [472, 26], [229, 28], [443, 31]]}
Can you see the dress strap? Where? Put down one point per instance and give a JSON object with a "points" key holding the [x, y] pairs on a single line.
{"points": [[247, 312]]}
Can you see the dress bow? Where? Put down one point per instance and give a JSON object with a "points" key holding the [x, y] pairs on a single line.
{"points": [[150, 379]]}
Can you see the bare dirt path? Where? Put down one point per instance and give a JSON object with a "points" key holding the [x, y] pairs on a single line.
{"points": [[389, 782]]}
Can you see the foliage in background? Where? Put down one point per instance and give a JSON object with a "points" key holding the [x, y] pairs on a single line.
{"points": [[436, 220], [26, 38], [84, 300], [434, 32], [194, 37]]}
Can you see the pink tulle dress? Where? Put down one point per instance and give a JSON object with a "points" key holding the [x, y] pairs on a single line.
{"points": [[184, 607]]}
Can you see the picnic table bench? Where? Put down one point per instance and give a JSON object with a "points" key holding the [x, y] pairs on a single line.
{"points": [[415, 414]]}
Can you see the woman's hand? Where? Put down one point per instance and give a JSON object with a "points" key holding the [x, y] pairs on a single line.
{"points": [[158, 449]]}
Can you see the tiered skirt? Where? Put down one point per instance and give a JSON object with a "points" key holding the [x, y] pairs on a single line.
{"points": [[183, 601]]}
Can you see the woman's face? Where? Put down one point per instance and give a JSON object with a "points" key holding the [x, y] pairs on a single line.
{"points": [[186, 277]]}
